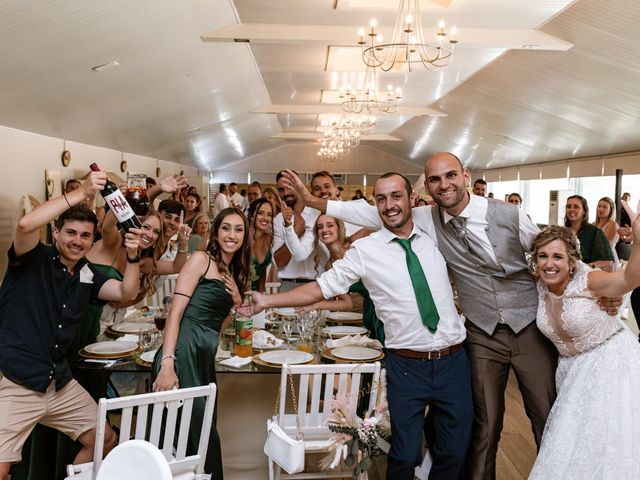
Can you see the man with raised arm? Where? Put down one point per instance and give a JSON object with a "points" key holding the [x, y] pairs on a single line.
{"points": [[43, 298], [407, 280], [293, 238]]}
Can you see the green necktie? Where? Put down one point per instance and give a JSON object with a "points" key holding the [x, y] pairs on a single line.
{"points": [[426, 305]]}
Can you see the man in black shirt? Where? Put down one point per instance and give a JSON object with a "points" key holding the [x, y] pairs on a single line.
{"points": [[43, 299]]}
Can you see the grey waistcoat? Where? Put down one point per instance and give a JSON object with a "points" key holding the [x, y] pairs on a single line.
{"points": [[488, 293]]}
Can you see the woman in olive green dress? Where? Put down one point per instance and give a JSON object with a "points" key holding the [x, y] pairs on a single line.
{"points": [[208, 286]]}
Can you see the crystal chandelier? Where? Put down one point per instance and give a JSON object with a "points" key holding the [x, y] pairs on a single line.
{"points": [[343, 135], [408, 44], [369, 98]]}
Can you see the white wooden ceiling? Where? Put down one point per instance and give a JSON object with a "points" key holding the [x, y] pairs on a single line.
{"points": [[185, 91]]}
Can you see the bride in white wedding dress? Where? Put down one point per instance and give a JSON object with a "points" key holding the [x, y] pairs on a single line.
{"points": [[593, 430]]}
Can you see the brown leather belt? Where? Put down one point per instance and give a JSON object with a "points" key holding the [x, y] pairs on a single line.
{"points": [[435, 355]]}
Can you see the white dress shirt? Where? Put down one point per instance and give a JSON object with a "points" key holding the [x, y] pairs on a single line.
{"points": [[381, 264], [222, 202], [236, 200], [302, 264], [475, 213]]}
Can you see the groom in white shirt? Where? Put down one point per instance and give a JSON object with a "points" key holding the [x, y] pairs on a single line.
{"points": [[426, 364]]}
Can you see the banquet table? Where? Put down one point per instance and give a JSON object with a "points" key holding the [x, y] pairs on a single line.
{"points": [[246, 399]]}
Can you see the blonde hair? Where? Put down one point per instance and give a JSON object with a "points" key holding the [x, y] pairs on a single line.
{"points": [[342, 235], [556, 232]]}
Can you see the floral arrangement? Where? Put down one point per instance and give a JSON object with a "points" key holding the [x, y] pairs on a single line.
{"points": [[356, 439]]}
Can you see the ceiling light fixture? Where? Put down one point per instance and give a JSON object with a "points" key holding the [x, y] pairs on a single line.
{"points": [[343, 135], [369, 99], [408, 44]]}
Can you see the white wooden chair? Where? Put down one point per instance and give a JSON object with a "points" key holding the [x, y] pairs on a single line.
{"points": [[172, 402], [271, 287], [164, 290], [318, 384]]}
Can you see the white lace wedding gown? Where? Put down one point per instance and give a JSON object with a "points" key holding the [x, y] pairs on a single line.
{"points": [[593, 430]]}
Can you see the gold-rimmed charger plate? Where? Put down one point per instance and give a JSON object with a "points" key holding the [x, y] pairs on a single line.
{"points": [[83, 353], [344, 318], [132, 327], [111, 348], [327, 354], [261, 364]]}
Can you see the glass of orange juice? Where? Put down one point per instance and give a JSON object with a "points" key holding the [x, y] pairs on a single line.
{"points": [[304, 345]]}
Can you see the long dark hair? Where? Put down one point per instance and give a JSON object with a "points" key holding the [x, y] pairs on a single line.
{"points": [[253, 212], [241, 262], [585, 207]]}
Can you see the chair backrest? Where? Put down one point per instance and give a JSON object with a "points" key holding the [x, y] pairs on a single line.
{"points": [[165, 290], [133, 460], [163, 408], [318, 384], [271, 287]]}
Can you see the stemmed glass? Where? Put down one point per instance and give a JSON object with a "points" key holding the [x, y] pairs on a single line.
{"points": [[288, 323], [145, 339]]}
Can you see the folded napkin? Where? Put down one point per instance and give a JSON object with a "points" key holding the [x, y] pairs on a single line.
{"points": [[263, 339], [127, 338], [131, 313], [354, 341], [221, 353], [236, 362]]}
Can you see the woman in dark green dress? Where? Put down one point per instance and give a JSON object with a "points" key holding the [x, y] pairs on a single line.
{"points": [[261, 237], [331, 232], [595, 249], [208, 286]]}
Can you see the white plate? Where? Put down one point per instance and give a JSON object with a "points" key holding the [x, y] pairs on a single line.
{"points": [[132, 327], [343, 331], [111, 348], [355, 353], [148, 356], [344, 316], [291, 357]]}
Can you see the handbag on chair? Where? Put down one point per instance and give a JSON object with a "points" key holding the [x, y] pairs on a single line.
{"points": [[280, 447]]}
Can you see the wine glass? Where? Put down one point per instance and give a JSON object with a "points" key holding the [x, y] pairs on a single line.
{"points": [[288, 323], [146, 339]]}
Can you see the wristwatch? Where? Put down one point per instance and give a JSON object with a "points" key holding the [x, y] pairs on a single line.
{"points": [[135, 259]]}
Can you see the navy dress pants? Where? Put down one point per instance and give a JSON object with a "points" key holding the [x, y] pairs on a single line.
{"points": [[445, 386]]}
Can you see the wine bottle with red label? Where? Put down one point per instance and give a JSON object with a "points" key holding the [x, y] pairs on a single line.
{"points": [[114, 198]]}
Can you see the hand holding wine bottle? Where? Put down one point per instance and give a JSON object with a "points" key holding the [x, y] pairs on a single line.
{"points": [[94, 183], [114, 198]]}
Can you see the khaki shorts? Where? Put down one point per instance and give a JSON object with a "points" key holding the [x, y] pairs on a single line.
{"points": [[70, 410]]}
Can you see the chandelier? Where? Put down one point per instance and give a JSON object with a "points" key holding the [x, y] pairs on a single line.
{"points": [[408, 44], [369, 98], [343, 135]]}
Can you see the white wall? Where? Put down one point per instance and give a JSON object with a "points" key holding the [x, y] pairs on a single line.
{"points": [[25, 156]]}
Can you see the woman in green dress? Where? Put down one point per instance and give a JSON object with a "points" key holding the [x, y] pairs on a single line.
{"points": [[208, 286], [331, 232], [261, 239]]}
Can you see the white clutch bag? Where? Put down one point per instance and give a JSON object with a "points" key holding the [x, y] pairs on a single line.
{"points": [[284, 450]]}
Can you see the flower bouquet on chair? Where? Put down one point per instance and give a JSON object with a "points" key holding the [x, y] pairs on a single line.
{"points": [[355, 439]]}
